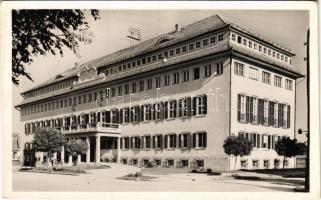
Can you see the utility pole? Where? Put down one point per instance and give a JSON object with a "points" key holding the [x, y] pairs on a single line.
{"points": [[307, 175]]}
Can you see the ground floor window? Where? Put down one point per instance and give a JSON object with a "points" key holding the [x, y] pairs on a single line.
{"points": [[170, 162], [184, 163], [124, 161], [145, 162], [286, 163], [134, 161], [243, 164], [266, 163], [199, 163], [157, 162], [255, 163], [276, 163]]}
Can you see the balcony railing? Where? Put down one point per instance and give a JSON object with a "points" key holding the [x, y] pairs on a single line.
{"points": [[99, 126]]}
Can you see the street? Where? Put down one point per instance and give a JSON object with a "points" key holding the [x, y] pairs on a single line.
{"points": [[106, 180]]}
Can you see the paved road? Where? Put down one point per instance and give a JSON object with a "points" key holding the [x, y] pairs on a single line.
{"points": [[106, 180]]}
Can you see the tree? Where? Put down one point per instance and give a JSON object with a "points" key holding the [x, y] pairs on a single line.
{"points": [[38, 32], [287, 148], [76, 147], [48, 140], [237, 146]]}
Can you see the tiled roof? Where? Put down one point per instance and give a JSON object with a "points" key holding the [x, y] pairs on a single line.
{"points": [[200, 27]]}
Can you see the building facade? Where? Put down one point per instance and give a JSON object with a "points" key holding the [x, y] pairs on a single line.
{"points": [[172, 100]]}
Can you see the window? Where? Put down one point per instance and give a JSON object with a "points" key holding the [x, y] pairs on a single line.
{"points": [[148, 59], [178, 50], [266, 164], [241, 108], [213, 39], [143, 61], [184, 48], [200, 140], [239, 39], [157, 141], [220, 37], [125, 115], [255, 163], [126, 88], [126, 142], [141, 85], [243, 164], [266, 77], [254, 46], [170, 141], [265, 112], [133, 64], [269, 52], [171, 52], [260, 48], [113, 92], [288, 118], [219, 69], [149, 83], [154, 57], [147, 110], [205, 42], [198, 44], [135, 143], [186, 75], [158, 82], [207, 70], [265, 141], [190, 46], [172, 109], [166, 80], [184, 140], [250, 44], [276, 163], [134, 87], [120, 90], [184, 107], [200, 105], [176, 78], [244, 42], [282, 57], [277, 81], [146, 142], [271, 113], [273, 53], [196, 73], [288, 84], [134, 114], [253, 73], [238, 69], [233, 37]]}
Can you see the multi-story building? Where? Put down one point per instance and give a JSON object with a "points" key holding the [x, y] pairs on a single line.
{"points": [[174, 99]]}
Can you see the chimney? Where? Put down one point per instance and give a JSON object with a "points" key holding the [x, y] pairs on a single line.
{"points": [[178, 27]]}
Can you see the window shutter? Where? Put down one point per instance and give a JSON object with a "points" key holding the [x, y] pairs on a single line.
{"points": [[26, 130], [194, 140], [153, 141], [165, 110], [258, 143], [121, 111], [175, 141], [189, 142], [180, 108], [166, 141], [205, 104], [194, 106], [205, 140], [141, 113], [288, 117], [161, 110], [179, 140], [189, 106], [161, 141], [154, 111], [131, 113], [238, 107], [251, 109], [138, 143], [175, 108], [108, 118], [121, 143], [142, 142], [247, 109]]}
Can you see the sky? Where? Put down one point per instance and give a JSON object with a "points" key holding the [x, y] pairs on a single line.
{"points": [[287, 28]]}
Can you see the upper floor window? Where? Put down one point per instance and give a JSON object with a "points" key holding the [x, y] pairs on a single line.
{"points": [[278, 81], [213, 39], [149, 83], [141, 85], [220, 37], [266, 77], [166, 80], [176, 77], [244, 42], [250, 44], [158, 82], [239, 39], [253, 73], [196, 73], [198, 44], [207, 70], [186, 75], [238, 69], [233, 37], [126, 88], [219, 68], [288, 84], [205, 42], [134, 87]]}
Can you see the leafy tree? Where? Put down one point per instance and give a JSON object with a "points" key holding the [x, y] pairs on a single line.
{"points": [[38, 32], [76, 147], [237, 146], [287, 148], [48, 140]]}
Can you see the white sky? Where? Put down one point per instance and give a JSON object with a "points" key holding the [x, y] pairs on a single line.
{"points": [[287, 28]]}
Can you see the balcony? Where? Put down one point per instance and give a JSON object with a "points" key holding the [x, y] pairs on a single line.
{"points": [[101, 127]]}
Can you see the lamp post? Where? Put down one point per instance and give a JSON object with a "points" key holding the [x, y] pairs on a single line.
{"points": [[307, 161]]}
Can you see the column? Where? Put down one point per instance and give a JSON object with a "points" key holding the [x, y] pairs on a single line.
{"points": [[78, 159], [70, 160], [118, 150], [97, 149], [88, 150], [62, 155]]}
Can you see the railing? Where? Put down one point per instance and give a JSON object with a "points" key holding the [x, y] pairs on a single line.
{"points": [[89, 127]]}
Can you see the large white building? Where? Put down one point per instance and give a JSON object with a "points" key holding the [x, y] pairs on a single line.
{"points": [[172, 100]]}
